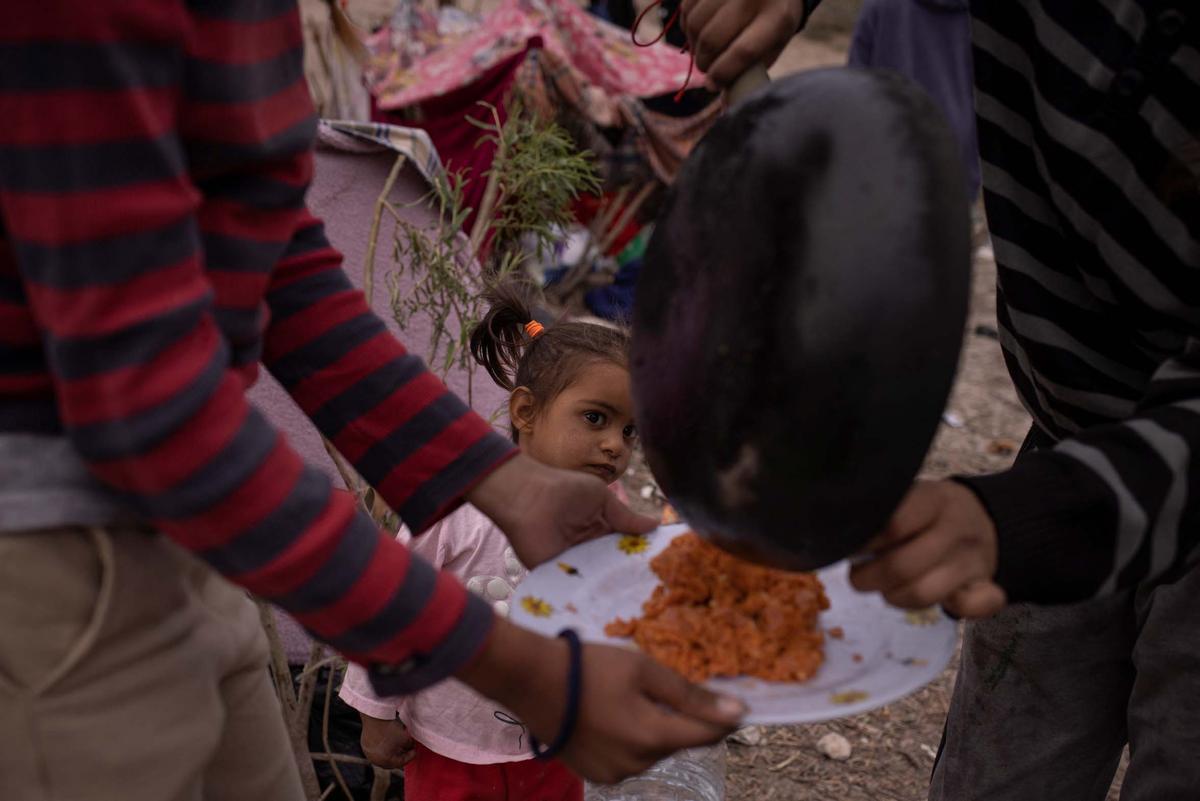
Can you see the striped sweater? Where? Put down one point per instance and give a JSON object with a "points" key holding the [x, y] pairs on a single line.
{"points": [[155, 249], [1089, 132]]}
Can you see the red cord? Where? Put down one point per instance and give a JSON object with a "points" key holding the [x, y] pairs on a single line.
{"points": [[674, 17]]}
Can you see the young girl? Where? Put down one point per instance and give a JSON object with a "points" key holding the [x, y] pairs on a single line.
{"points": [[569, 407]]}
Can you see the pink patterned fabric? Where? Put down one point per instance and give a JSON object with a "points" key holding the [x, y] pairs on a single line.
{"points": [[422, 55]]}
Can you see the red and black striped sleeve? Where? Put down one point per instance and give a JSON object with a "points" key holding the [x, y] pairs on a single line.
{"points": [[111, 230], [411, 438]]}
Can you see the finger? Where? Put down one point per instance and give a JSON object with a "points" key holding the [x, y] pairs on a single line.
{"points": [[872, 550], [934, 587], [388, 761], [918, 510], [605, 771], [772, 55], [976, 600], [716, 32], [749, 46], [691, 700], [694, 15], [904, 563], [669, 733], [623, 520]]}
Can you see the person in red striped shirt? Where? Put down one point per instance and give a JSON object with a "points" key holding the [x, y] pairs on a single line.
{"points": [[155, 249]]}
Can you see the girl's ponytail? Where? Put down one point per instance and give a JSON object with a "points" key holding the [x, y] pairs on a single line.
{"points": [[503, 333], [517, 352]]}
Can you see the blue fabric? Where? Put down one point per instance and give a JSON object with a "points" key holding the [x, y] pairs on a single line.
{"points": [[599, 8], [615, 302], [554, 274], [929, 42]]}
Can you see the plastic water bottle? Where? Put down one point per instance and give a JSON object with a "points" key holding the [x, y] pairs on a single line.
{"points": [[697, 774]]}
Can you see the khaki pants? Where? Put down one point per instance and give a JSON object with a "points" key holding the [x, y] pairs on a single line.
{"points": [[130, 671]]}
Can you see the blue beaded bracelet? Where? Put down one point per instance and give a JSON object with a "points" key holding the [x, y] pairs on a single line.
{"points": [[574, 688]]}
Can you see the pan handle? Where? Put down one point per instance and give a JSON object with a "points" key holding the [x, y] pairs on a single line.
{"points": [[751, 80]]}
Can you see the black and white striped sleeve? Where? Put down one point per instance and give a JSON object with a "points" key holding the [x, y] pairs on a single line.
{"points": [[1110, 507], [1089, 127]]}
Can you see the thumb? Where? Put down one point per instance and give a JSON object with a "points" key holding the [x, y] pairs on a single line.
{"points": [[977, 599], [700, 717], [917, 511], [682, 696], [623, 520]]}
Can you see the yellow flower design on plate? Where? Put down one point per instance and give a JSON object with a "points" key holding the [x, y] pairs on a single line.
{"points": [[922, 617], [849, 697], [536, 606], [633, 543]]}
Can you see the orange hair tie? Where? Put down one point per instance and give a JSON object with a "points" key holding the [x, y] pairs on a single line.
{"points": [[534, 329]]}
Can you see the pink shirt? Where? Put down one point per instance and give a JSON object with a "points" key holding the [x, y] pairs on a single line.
{"points": [[450, 718]]}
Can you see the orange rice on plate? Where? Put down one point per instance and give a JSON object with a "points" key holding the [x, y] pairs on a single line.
{"points": [[713, 615]]}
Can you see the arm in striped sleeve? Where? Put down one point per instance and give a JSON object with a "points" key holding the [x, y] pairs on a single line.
{"points": [[101, 214], [1110, 507], [402, 429]]}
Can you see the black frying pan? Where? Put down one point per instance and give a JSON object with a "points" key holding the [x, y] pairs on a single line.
{"points": [[800, 312]]}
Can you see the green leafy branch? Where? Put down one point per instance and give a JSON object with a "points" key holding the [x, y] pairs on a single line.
{"points": [[535, 176]]}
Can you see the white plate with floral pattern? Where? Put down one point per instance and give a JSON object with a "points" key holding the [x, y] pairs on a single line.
{"points": [[883, 655]]}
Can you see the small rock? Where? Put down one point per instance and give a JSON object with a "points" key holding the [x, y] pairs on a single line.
{"points": [[1002, 447], [987, 331], [834, 746], [748, 735], [953, 420]]}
